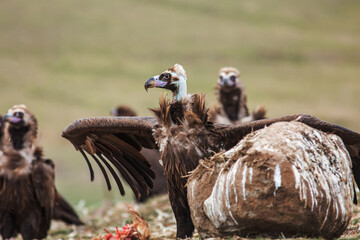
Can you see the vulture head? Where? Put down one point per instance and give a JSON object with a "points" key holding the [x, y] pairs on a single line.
{"points": [[19, 116], [123, 110], [228, 77], [21, 126], [173, 79]]}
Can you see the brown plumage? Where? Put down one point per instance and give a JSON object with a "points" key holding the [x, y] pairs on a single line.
{"points": [[232, 99], [120, 148], [123, 111], [27, 199], [27, 189], [183, 136], [62, 211], [152, 155]]}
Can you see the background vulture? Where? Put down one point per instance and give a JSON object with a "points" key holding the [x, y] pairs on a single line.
{"points": [[28, 196], [183, 135], [152, 155], [231, 95]]}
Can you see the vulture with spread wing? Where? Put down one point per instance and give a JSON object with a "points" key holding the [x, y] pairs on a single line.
{"points": [[182, 133], [231, 95], [28, 196], [152, 155]]}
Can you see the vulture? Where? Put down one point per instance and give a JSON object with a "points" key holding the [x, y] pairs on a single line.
{"points": [[231, 95], [182, 133], [123, 111], [152, 155], [28, 196]]}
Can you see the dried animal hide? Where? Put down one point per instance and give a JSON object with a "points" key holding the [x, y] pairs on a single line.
{"points": [[284, 179]]}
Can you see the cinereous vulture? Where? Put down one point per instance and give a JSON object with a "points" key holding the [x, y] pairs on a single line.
{"points": [[182, 133]]}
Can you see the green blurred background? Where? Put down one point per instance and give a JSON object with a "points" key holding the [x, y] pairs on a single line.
{"points": [[72, 59]]}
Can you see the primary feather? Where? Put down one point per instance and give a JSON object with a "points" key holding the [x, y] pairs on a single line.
{"points": [[108, 138], [152, 155]]}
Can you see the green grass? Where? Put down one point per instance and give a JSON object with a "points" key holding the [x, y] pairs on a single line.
{"points": [[73, 59]]}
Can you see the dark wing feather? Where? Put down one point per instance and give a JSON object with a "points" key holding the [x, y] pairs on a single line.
{"points": [[350, 138], [63, 211], [42, 177], [235, 133], [107, 180], [92, 175], [116, 142]]}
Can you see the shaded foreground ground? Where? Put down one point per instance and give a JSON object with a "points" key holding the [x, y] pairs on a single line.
{"points": [[157, 212]]}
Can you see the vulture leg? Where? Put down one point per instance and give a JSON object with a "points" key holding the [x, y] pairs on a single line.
{"points": [[184, 224], [355, 198]]}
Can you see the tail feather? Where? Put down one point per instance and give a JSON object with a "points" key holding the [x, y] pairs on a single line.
{"points": [[63, 211]]}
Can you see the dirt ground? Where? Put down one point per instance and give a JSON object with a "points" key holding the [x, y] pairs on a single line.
{"points": [[157, 213]]}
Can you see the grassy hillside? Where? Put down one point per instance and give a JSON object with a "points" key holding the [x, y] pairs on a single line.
{"points": [[72, 59]]}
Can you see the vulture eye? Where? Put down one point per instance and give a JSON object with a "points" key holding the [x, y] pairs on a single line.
{"points": [[221, 78], [165, 76], [19, 114], [233, 78]]}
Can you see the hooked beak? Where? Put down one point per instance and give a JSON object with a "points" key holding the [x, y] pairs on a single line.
{"points": [[9, 117], [154, 82], [226, 82]]}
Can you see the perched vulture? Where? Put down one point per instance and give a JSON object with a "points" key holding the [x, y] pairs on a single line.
{"points": [[28, 196], [183, 135], [231, 95], [152, 155]]}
